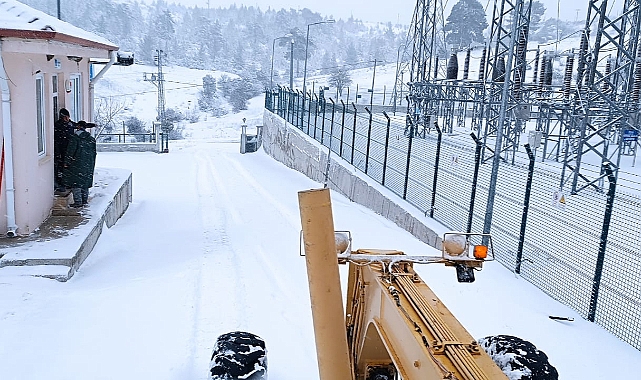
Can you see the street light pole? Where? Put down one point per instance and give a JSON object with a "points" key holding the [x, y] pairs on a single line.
{"points": [[271, 75], [291, 67], [307, 47], [305, 67], [371, 99]]}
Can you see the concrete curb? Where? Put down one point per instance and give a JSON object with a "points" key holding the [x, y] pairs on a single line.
{"points": [[62, 269]]}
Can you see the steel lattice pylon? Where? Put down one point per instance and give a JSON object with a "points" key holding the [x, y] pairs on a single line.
{"points": [[426, 39], [606, 101], [505, 76]]}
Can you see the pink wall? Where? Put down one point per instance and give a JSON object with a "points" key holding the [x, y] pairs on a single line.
{"points": [[33, 174]]}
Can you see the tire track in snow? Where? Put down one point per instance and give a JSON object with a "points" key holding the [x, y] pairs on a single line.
{"points": [[219, 294], [292, 218]]}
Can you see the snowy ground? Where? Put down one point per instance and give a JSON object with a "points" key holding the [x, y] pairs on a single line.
{"points": [[210, 245]]}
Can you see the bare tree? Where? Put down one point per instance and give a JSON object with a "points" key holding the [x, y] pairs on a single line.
{"points": [[107, 112], [340, 79]]}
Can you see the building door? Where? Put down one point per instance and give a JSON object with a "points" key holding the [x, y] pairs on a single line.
{"points": [[74, 93]]}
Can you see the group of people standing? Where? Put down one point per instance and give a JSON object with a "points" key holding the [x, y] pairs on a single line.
{"points": [[74, 157]]}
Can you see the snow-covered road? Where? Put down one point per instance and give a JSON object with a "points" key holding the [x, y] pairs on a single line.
{"points": [[209, 245]]}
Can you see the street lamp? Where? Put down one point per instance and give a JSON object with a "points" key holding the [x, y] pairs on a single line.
{"points": [[271, 75], [307, 47], [305, 67]]}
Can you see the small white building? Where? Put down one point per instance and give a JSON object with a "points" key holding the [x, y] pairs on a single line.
{"points": [[45, 64]]}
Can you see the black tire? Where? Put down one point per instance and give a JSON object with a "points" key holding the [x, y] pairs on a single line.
{"points": [[238, 355], [517, 356]]}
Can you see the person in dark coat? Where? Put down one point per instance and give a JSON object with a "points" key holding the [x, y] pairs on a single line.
{"points": [[79, 162], [63, 129]]}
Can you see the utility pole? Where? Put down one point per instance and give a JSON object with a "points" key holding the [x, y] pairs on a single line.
{"points": [[371, 98], [58, 2], [158, 80], [291, 67]]}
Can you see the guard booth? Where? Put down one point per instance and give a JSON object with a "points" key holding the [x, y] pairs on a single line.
{"points": [[250, 143]]}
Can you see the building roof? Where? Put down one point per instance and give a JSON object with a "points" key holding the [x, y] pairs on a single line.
{"points": [[21, 21]]}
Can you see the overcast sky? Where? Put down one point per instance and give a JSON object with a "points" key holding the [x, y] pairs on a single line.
{"points": [[383, 10]]}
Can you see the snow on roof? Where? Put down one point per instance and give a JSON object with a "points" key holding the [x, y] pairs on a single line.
{"points": [[15, 16]]}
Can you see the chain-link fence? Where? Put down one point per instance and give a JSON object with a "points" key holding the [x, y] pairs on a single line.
{"points": [[584, 251]]}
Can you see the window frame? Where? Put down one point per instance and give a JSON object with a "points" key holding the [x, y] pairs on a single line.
{"points": [[41, 120]]}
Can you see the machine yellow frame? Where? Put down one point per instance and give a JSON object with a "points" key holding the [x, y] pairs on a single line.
{"points": [[395, 326]]}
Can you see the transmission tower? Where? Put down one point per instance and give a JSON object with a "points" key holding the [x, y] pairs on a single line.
{"points": [[505, 76], [158, 80], [606, 102], [425, 41]]}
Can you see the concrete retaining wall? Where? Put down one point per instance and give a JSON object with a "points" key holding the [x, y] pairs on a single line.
{"points": [[127, 147], [114, 211], [296, 150]]}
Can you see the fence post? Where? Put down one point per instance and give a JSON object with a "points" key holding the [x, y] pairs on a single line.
{"points": [[315, 114], [353, 135], [386, 148], [340, 152], [331, 126], [289, 105], [309, 112], [409, 154], [369, 139], [596, 283], [297, 110], [526, 207], [436, 162], [475, 178], [280, 102], [302, 111], [323, 122]]}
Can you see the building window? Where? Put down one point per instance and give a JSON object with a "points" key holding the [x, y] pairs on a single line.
{"points": [[40, 114], [54, 96], [75, 109]]}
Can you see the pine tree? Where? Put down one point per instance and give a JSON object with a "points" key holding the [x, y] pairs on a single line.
{"points": [[466, 23], [538, 9]]}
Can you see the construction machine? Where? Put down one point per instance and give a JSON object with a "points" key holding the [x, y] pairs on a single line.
{"points": [[393, 327]]}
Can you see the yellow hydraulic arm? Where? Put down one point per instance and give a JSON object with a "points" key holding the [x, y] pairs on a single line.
{"points": [[394, 328]]}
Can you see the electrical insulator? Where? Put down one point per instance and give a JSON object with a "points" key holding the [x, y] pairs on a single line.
{"points": [[567, 79], [542, 73], [583, 59], [452, 67], [636, 89], [608, 70], [498, 74], [436, 67], [482, 65], [466, 65], [536, 65], [548, 71]]}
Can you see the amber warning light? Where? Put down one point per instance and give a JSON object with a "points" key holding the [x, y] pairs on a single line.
{"points": [[480, 252]]}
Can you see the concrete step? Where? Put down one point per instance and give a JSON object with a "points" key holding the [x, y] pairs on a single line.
{"points": [[61, 202], [62, 242]]}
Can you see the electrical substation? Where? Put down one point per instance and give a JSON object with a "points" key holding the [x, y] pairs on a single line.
{"points": [[594, 111]]}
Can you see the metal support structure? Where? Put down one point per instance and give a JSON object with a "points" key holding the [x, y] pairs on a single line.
{"points": [[505, 75], [427, 38], [526, 207], [604, 103], [158, 80], [506, 67], [603, 241]]}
